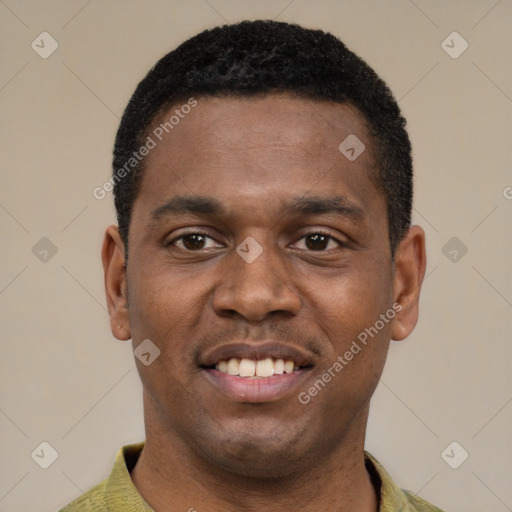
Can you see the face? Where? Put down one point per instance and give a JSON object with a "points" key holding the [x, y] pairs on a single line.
{"points": [[258, 253]]}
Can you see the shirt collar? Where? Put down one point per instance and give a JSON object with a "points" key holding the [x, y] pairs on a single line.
{"points": [[391, 497], [119, 483]]}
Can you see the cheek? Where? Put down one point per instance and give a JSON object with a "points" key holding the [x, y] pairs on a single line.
{"points": [[346, 304], [162, 310], [159, 301], [357, 316], [351, 318], [166, 307]]}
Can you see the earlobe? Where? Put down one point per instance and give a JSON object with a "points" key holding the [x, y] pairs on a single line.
{"points": [[410, 264], [112, 256]]}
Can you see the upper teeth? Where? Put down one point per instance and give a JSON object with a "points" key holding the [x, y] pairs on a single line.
{"points": [[252, 368]]}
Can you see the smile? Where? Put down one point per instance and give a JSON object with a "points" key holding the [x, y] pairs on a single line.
{"points": [[248, 368], [249, 372]]}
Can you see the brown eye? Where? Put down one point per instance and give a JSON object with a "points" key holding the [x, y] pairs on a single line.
{"points": [[317, 242], [193, 242]]}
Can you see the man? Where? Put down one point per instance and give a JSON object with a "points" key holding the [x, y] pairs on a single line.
{"points": [[263, 261]]}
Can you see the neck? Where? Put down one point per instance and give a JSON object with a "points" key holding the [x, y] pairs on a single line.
{"points": [[171, 476]]}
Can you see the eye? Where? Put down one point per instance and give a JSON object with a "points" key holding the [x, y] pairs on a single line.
{"points": [[194, 242], [320, 242]]}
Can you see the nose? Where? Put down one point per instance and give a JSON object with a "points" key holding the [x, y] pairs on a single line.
{"points": [[256, 290]]}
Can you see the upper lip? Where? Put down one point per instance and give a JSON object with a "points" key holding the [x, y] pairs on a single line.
{"points": [[256, 351]]}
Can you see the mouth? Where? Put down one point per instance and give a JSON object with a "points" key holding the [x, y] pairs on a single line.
{"points": [[266, 372], [248, 368]]}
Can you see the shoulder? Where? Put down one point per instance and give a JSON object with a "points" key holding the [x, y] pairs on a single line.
{"points": [[391, 496], [116, 492], [92, 501], [418, 504]]}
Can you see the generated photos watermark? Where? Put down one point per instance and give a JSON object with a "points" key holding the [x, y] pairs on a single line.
{"points": [[355, 348], [151, 142]]}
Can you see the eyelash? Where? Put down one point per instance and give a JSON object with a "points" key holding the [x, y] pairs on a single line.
{"points": [[202, 233]]}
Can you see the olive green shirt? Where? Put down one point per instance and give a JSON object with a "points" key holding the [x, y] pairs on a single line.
{"points": [[118, 494]]}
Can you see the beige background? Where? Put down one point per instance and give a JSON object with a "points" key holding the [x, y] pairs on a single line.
{"points": [[66, 381]]}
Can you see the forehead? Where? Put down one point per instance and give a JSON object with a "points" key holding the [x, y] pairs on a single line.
{"points": [[251, 148], [240, 123]]}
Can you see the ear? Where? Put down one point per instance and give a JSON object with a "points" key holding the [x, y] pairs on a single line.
{"points": [[410, 263], [112, 256]]}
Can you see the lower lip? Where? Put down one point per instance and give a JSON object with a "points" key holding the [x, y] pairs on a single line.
{"points": [[256, 389]]}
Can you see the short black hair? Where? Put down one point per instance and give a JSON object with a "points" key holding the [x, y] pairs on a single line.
{"points": [[262, 57]]}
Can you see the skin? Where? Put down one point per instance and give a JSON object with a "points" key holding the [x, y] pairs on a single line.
{"points": [[254, 155]]}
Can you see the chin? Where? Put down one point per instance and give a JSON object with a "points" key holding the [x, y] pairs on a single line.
{"points": [[261, 463], [260, 455]]}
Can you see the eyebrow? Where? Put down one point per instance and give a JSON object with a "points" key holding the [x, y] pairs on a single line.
{"points": [[313, 205], [181, 205], [310, 205]]}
